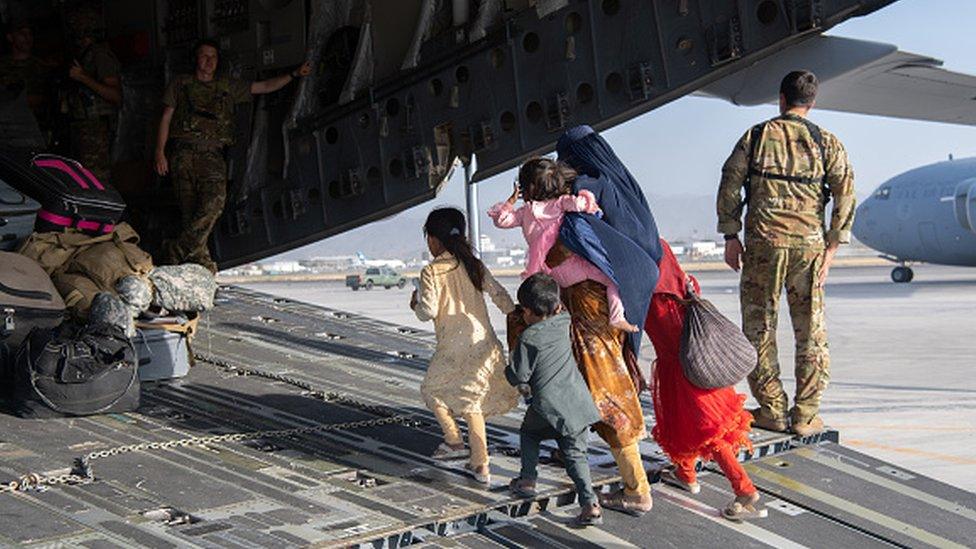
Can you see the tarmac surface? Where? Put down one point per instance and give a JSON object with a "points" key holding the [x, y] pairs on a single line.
{"points": [[903, 357]]}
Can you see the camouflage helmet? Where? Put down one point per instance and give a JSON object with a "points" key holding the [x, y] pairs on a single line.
{"points": [[84, 21]]}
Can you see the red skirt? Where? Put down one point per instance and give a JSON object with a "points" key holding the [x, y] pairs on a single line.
{"points": [[690, 422]]}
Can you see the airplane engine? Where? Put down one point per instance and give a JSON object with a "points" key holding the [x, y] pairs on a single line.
{"points": [[965, 204]]}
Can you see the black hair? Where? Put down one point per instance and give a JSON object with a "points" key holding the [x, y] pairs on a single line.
{"points": [[448, 226], [206, 42], [545, 179], [799, 88], [540, 294]]}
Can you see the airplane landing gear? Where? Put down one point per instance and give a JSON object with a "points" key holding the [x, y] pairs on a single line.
{"points": [[902, 275]]}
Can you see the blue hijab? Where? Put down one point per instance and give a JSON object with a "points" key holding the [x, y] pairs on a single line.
{"points": [[623, 242]]}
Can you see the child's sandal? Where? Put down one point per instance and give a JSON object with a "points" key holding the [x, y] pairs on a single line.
{"points": [[447, 452]]}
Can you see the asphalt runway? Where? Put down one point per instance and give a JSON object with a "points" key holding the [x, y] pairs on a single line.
{"points": [[903, 372]]}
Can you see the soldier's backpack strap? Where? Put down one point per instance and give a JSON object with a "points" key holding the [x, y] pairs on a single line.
{"points": [[755, 135], [817, 136]]}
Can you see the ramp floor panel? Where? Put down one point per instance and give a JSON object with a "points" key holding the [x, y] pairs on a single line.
{"points": [[376, 484]]}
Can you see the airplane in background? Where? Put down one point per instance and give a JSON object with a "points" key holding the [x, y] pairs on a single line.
{"points": [[927, 214], [391, 263]]}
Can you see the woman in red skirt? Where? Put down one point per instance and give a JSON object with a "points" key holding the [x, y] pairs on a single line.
{"points": [[693, 423]]}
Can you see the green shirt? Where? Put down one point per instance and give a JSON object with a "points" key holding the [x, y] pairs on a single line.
{"points": [[204, 111]]}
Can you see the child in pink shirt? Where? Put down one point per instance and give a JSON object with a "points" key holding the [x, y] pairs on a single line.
{"points": [[547, 199]]}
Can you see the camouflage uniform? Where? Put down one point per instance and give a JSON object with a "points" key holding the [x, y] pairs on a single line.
{"points": [[93, 118], [201, 128], [784, 246]]}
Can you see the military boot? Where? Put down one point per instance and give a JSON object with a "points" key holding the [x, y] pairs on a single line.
{"points": [[762, 421], [807, 427]]}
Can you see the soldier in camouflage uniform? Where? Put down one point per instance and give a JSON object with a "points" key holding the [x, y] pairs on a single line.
{"points": [[92, 104], [198, 114], [20, 71], [789, 174]]}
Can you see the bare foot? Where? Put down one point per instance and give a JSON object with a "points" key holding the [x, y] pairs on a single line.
{"points": [[625, 326]]}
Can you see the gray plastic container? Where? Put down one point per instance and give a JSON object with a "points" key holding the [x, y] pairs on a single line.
{"points": [[162, 354], [17, 215]]}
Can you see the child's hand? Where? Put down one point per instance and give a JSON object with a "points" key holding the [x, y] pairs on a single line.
{"points": [[516, 190], [525, 390], [413, 300]]}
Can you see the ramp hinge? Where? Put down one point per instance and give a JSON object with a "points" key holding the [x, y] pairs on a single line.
{"points": [[805, 15]]}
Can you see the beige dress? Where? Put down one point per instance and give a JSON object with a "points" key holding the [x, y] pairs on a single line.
{"points": [[467, 372]]}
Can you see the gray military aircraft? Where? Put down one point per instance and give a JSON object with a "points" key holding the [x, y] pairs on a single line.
{"points": [[300, 425], [926, 214]]}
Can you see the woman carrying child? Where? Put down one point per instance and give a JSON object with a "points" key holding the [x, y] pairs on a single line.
{"points": [[466, 376], [547, 199]]}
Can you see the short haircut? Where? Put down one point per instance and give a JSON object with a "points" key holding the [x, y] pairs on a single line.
{"points": [[539, 294], [799, 88], [206, 42]]}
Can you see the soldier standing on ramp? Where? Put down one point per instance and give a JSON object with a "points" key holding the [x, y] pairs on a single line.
{"points": [[789, 169], [93, 102], [201, 109]]}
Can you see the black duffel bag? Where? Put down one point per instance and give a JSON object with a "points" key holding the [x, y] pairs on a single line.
{"points": [[71, 371], [714, 351]]}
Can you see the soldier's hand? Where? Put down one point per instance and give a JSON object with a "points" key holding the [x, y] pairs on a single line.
{"points": [[76, 72], [162, 164], [828, 259], [304, 70], [733, 254]]}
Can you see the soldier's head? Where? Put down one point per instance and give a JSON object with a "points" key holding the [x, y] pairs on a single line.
{"points": [[544, 179], [84, 25], [207, 53], [20, 37], [798, 90]]}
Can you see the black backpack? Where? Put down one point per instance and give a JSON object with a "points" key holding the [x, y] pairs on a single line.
{"points": [[755, 135], [72, 371]]}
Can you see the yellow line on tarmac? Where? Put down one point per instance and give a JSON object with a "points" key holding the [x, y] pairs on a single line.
{"points": [[911, 451], [885, 521], [839, 465]]}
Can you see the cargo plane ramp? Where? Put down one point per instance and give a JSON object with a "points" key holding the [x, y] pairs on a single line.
{"points": [[302, 426]]}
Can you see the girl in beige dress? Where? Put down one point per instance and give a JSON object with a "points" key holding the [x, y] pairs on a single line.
{"points": [[466, 376]]}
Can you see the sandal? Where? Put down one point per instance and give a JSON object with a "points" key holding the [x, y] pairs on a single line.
{"points": [[589, 516], [481, 474], [522, 488], [632, 505], [671, 478], [447, 452], [744, 508]]}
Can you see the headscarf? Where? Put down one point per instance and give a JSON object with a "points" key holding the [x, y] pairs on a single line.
{"points": [[623, 242]]}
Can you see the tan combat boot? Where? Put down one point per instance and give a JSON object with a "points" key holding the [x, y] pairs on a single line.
{"points": [[761, 421], [808, 427]]}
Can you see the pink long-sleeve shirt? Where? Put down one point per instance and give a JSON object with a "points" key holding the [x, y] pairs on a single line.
{"points": [[540, 221]]}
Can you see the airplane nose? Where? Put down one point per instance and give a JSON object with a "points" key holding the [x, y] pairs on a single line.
{"points": [[865, 222]]}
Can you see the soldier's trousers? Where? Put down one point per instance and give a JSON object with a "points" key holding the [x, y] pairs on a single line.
{"points": [[765, 273], [200, 182], [91, 144]]}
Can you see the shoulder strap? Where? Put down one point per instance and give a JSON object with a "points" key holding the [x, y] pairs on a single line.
{"points": [[817, 136], [755, 136]]}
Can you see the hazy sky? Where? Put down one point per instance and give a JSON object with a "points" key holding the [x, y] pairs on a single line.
{"points": [[679, 148]]}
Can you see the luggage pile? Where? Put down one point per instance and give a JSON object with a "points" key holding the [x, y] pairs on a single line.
{"points": [[85, 315]]}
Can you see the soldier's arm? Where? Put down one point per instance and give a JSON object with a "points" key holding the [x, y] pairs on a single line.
{"points": [[108, 88], [730, 189], [272, 85], [162, 135], [840, 178]]}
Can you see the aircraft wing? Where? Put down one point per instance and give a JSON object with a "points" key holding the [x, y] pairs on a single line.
{"points": [[860, 77]]}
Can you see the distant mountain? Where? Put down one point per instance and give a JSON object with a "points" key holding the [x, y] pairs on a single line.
{"points": [[679, 217]]}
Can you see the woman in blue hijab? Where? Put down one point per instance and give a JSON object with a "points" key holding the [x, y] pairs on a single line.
{"points": [[624, 242]]}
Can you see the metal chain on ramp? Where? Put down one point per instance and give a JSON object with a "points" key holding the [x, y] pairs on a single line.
{"points": [[82, 472]]}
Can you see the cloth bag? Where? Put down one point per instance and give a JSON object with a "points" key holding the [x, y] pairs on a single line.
{"points": [[714, 352]]}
